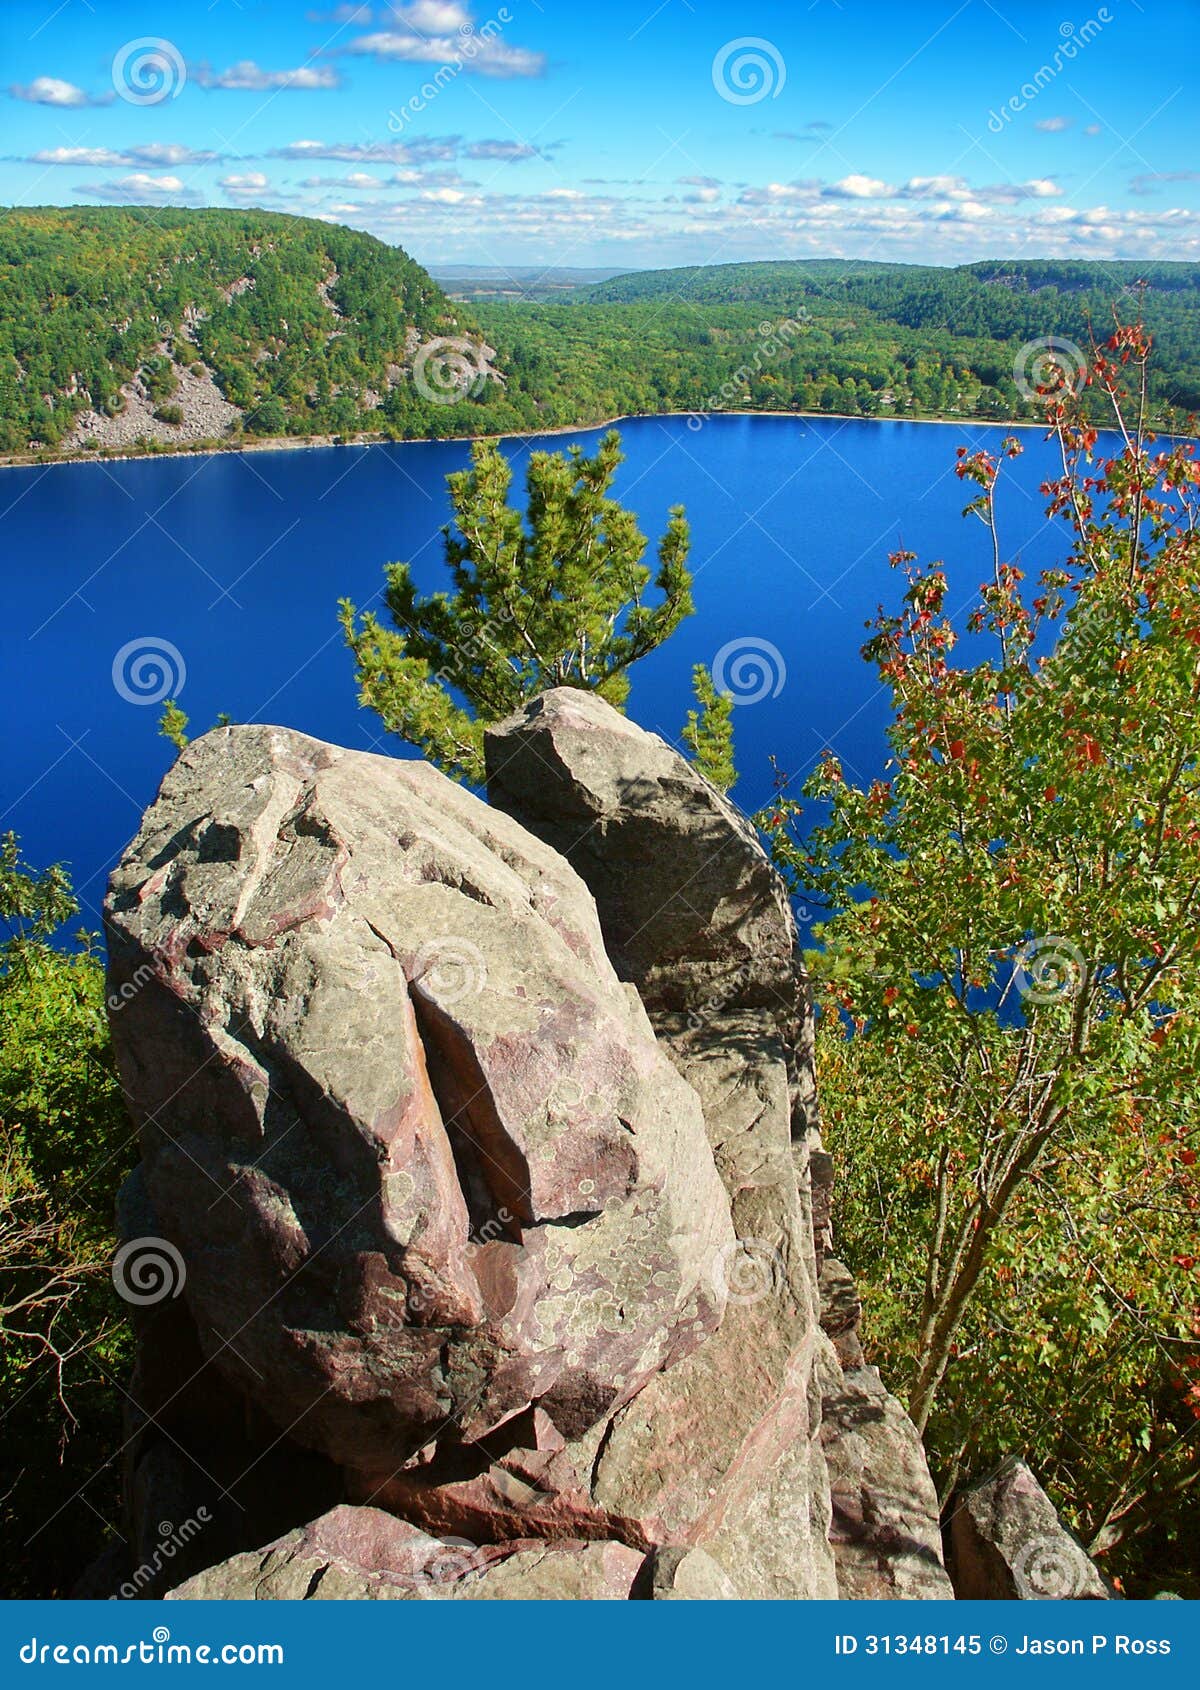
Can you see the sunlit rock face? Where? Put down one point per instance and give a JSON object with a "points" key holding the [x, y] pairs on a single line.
{"points": [[486, 1143], [417, 1146]]}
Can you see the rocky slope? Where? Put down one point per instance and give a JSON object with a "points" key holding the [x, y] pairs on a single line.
{"points": [[124, 328], [484, 1140]]}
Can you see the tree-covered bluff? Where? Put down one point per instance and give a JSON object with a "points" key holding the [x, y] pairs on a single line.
{"points": [[303, 326]]}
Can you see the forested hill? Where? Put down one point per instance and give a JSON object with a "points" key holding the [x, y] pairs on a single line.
{"points": [[997, 297], [130, 330], [163, 326], [962, 316]]}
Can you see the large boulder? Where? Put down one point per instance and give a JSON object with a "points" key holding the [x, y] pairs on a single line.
{"points": [[506, 1252], [799, 1480], [355, 1009], [1007, 1543], [692, 911], [695, 916]]}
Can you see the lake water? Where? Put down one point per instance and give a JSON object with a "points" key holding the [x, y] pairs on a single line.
{"points": [[238, 562]]}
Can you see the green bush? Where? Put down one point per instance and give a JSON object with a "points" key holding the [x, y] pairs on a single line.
{"points": [[65, 1146]]}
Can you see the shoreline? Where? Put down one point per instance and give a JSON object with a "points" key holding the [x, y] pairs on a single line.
{"points": [[328, 442]]}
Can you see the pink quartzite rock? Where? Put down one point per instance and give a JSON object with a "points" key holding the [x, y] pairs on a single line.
{"points": [[1007, 1543], [422, 1158], [364, 1555]]}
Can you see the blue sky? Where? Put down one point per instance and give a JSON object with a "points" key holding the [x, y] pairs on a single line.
{"points": [[629, 134]]}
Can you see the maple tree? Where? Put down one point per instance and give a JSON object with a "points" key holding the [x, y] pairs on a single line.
{"points": [[1010, 981]]}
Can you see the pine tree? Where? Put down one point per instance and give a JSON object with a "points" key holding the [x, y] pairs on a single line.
{"points": [[708, 734], [554, 598]]}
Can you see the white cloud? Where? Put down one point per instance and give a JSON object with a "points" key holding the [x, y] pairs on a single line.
{"points": [[430, 17], [511, 150], [155, 153], [52, 91], [439, 32], [248, 76], [250, 185], [354, 179], [1150, 180], [1053, 125], [860, 188], [80, 155], [373, 152], [935, 187], [141, 189]]}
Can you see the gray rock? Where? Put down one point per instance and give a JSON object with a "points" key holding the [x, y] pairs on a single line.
{"points": [[687, 1575], [1007, 1543], [841, 1311], [417, 1147], [696, 918], [533, 1251], [885, 1524], [692, 910]]}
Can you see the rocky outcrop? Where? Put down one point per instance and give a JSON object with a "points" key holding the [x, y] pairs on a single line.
{"points": [[696, 917], [691, 909], [353, 1003], [1005, 1542], [884, 1525], [365, 1555], [204, 412], [482, 1233]]}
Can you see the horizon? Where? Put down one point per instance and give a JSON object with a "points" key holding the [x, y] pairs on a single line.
{"points": [[524, 135]]}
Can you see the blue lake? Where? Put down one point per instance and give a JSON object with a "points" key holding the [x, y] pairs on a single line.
{"points": [[238, 562]]}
